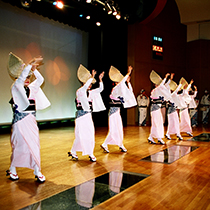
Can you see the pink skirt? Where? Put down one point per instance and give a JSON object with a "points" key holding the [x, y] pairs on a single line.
{"points": [[157, 128], [173, 124], [185, 122], [115, 134], [25, 143], [84, 135]]}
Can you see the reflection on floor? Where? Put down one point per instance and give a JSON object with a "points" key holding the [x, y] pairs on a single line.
{"points": [[202, 137], [91, 193], [169, 155]]}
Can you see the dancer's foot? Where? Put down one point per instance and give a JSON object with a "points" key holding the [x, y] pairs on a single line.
{"points": [[161, 141], [179, 137], [104, 148], [92, 158], [151, 141], [73, 155], [168, 136], [40, 177], [13, 176], [123, 149], [190, 134]]}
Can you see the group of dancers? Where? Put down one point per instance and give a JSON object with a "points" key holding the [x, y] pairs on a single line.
{"points": [[178, 99], [121, 96], [28, 97]]}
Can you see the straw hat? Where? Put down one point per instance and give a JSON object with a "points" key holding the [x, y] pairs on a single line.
{"points": [[83, 74], [155, 78], [184, 83], [15, 65], [115, 75], [173, 85]]}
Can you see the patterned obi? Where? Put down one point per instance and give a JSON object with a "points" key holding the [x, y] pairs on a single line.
{"points": [[79, 105], [115, 103], [80, 113], [17, 116], [112, 110]]}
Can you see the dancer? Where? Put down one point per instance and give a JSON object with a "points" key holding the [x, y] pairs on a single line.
{"points": [[84, 128], [26, 99], [173, 117], [205, 107], [184, 99], [193, 107], [158, 95], [143, 103], [121, 95]]}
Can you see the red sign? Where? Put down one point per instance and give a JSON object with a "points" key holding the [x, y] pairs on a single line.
{"points": [[157, 48]]}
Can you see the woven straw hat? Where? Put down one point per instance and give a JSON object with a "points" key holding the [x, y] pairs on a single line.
{"points": [[83, 74], [115, 75], [183, 82], [173, 85], [15, 65], [155, 78]]}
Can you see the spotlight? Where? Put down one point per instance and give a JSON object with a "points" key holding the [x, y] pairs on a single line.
{"points": [[88, 1], [58, 4], [88, 17], [98, 24], [126, 17], [114, 11], [108, 8], [81, 15], [26, 3], [118, 16]]}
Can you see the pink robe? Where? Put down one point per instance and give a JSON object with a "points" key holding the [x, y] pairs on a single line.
{"points": [[25, 143], [84, 128], [84, 135], [115, 134], [25, 133]]}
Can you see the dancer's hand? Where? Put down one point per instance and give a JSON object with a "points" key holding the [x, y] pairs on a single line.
{"points": [[101, 76]]}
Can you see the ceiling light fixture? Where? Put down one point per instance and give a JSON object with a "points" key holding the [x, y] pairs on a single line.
{"points": [[118, 16], [26, 3], [108, 7], [114, 10], [98, 23]]}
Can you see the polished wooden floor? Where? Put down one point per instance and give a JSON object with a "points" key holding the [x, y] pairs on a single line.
{"points": [[183, 184]]}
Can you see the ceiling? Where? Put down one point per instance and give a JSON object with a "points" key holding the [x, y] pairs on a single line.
{"points": [[131, 11], [191, 11], [194, 11]]}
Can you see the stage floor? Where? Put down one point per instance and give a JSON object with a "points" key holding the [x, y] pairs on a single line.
{"points": [[171, 176]]}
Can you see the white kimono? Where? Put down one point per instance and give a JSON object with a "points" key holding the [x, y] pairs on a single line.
{"points": [[124, 94], [25, 133], [84, 127]]}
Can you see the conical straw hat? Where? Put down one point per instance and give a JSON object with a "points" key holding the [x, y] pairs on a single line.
{"points": [[173, 85], [115, 75], [155, 78], [83, 74], [15, 65], [183, 82]]}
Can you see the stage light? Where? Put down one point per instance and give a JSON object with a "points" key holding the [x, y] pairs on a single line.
{"points": [[98, 23], [58, 4], [108, 8], [126, 17], [26, 3], [88, 1], [88, 17], [81, 15], [114, 11], [118, 16]]}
